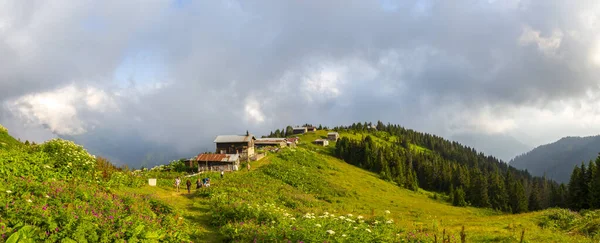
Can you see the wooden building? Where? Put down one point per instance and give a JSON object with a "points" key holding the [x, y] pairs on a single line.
{"points": [[217, 162], [291, 142], [321, 142], [300, 130], [235, 144], [270, 142], [333, 136], [311, 129]]}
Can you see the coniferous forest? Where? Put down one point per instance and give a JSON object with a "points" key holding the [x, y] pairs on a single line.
{"points": [[468, 177]]}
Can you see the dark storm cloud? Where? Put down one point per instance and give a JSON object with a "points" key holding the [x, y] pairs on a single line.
{"points": [[259, 65]]}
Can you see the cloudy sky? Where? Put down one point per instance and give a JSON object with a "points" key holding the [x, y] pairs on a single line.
{"points": [[153, 80]]}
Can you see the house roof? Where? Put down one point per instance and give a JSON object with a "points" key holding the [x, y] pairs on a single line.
{"points": [[233, 138], [218, 157], [300, 128], [269, 140], [292, 139]]}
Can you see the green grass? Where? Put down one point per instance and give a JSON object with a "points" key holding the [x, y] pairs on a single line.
{"points": [[302, 180], [7, 141]]}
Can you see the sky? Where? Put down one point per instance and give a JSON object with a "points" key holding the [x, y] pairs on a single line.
{"points": [[146, 81]]}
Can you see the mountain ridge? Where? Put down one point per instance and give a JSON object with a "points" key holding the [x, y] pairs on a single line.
{"points": [[556, 160]]}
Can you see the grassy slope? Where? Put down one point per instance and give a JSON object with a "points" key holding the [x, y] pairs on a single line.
{"points": [[366, 194], [7, 141]]}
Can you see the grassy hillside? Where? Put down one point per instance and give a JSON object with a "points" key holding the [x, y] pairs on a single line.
{"points": [[300, 195], [7, 141]]}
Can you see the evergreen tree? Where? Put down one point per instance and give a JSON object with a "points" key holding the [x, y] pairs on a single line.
{"points": [[595, 186], [458, 199], [519, 199], [575, 189], [498, 193], [289, 131], [534, 198]]}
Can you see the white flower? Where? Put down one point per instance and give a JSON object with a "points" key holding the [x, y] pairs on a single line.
{"points": [[342, 217], [368, 230], [387, 211], [389, 221], [47, 196], [349, 215], [326, 213], [359, 217], [331, 232], [293, 219], [376, 222], [361, 221], [344, 235], [9, 191], [29, 201], [318, 225]]}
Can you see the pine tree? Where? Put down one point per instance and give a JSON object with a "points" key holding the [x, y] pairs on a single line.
{"points": [[498, 193], [458, 199], [574, 201], [519, 198], [595, 186], [534, 198]]}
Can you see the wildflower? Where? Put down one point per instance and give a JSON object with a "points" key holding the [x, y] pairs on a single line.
{"points": [[368, 230], [344, 235], [331, 232], [29, 201], [9, 191], [376, 222], [389, 221], [387, 211], [342, 217], [359, 217], [350, 215], [47, 196], [318, 225], [180, 218]]}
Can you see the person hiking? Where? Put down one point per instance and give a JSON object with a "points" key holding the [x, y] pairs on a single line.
{"points": [[198, 184], [222, 173], [188, 183], [177, 183]]}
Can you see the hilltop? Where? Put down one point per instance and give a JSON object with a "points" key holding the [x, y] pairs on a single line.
{"points": [[557, 160], [297, 194]]}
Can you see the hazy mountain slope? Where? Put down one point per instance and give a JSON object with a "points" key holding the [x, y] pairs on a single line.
{"points": [[504, 147], [558, 159]]}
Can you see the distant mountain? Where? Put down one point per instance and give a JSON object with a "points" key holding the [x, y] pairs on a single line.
{"points": [[558, 159], [504, 147]]}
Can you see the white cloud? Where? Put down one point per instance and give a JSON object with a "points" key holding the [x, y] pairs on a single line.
{"points": [[253, 111], [548, 45], [60, 109]]}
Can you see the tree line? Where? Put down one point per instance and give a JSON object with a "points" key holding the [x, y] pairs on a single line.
{"points": [[289, 131], [584, 186], [413, 159]]}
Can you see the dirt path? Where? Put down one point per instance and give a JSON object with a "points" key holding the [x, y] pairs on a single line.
{"points": [[194, 209]]}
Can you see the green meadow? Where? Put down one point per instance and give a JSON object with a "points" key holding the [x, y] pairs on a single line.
{"points": [[301, 194]]}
